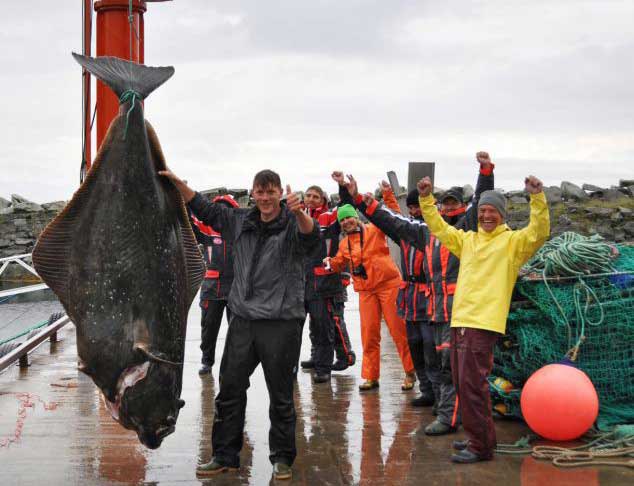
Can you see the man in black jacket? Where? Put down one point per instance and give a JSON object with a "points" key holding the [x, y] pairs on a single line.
{"points": [[325, 294], [266, 299], [218, 255]]}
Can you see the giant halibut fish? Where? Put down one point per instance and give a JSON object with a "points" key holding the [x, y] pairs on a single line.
{"points": [[123, 260]]}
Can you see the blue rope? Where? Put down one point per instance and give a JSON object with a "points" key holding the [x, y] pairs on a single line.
{"points": [[132, 96]]}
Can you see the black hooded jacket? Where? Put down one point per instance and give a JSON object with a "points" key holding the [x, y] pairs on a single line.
{"points": [[268, 259]]}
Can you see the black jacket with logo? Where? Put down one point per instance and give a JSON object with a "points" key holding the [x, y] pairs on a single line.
{"points": [[268, 259]]}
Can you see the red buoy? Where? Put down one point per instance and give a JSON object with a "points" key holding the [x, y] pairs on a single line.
{"points": [[559, 402]]}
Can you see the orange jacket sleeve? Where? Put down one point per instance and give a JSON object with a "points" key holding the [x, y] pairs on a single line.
{"points": [[390, 201]]}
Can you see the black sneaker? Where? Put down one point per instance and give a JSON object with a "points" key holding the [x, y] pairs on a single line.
{"points": [[204, 370], [282, 471], [438, 428], [212, 468], [467, 457], [308, 364], [460, 445], [423, 401], [339, 365], [321, 377]]}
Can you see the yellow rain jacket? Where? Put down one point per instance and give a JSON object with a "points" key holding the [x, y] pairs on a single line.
{"points": [[489, 263]]}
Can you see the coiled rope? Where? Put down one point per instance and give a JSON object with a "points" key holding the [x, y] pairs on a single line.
{"points": [[598, 451], [575, 255]]}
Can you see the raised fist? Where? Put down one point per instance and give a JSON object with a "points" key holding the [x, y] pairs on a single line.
{"points": [[351, 185], [337, 176], [385, 186], [425, 186], [368, 198], [533, 185], [483, 158]]}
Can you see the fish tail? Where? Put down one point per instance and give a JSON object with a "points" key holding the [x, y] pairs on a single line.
{"points": [[124, 76]]}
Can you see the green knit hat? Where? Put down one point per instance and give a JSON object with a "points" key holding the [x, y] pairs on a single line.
{"points": [[346, 211]]}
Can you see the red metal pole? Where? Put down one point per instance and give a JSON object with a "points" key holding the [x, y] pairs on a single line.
{"points": [[114, 39], [86, 83]]}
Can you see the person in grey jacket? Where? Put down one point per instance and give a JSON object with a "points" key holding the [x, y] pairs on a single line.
{"points": [[270, 241]]}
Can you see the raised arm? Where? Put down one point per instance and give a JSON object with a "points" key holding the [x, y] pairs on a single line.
{"points": [[389, 198], [485, 182], [529, 239], [218, 216], [396, 226], [451, 237], [346, 189]]}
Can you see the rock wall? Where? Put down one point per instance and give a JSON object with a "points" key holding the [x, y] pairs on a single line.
{"points": [[588, 209]]}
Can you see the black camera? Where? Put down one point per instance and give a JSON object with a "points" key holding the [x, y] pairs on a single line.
{"points": [[359, 271]]}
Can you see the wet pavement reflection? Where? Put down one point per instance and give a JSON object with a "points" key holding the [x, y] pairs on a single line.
{"points": [[62, 434]]}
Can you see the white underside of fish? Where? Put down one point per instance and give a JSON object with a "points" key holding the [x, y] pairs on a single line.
{"points": [[129, 377]]}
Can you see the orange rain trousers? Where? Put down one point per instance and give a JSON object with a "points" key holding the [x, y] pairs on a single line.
{"points": [[373, 304]]}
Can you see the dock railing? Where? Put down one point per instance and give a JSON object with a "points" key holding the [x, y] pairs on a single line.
{"points": [[20, 352], [19, 260], [11, 350]]}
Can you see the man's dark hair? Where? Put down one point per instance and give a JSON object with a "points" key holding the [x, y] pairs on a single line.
{"points": [[319, 190], [266, 178]]}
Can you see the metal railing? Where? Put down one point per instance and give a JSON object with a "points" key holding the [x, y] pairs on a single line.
{"points": [[20, 260], [20, 353]]}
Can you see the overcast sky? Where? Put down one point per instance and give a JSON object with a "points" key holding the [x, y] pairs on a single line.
{"points": [[305, 87]]}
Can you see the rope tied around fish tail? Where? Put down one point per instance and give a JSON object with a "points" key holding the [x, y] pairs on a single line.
{"points": [[131, 96]]}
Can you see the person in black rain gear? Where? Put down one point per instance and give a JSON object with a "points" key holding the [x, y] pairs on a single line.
{"points": [[214, 290], [270, 241], [325, 295]]}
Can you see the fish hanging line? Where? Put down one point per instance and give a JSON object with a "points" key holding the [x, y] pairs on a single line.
{"points": [[133, 97], [132, 26], [130, 94]]}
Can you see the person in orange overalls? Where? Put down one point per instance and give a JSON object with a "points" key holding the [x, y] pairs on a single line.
{"points": [[377, 279]]}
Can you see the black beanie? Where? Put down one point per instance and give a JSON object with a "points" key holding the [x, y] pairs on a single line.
{"points": [[412, 198]]}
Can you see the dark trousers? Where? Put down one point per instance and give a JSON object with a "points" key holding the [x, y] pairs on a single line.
{"points": [[210, 321], [275, 344], [420, 339], [447, 405], [328, 332], [472, 362]]}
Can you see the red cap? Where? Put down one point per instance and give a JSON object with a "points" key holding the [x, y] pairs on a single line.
{"points": [[227, 198]]}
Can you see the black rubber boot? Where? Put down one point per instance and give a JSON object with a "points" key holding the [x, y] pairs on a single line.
{"points": [[423, 401], [308, 364]]}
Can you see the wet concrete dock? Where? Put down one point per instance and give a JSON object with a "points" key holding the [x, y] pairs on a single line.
{"points": [[55, 430]]}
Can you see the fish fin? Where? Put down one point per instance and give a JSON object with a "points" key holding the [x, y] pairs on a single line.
{"points": [[122, 75], [52, 252], [194, 261]]}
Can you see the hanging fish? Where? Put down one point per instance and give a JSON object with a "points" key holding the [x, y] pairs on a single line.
{"points": [[124, 263]]}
